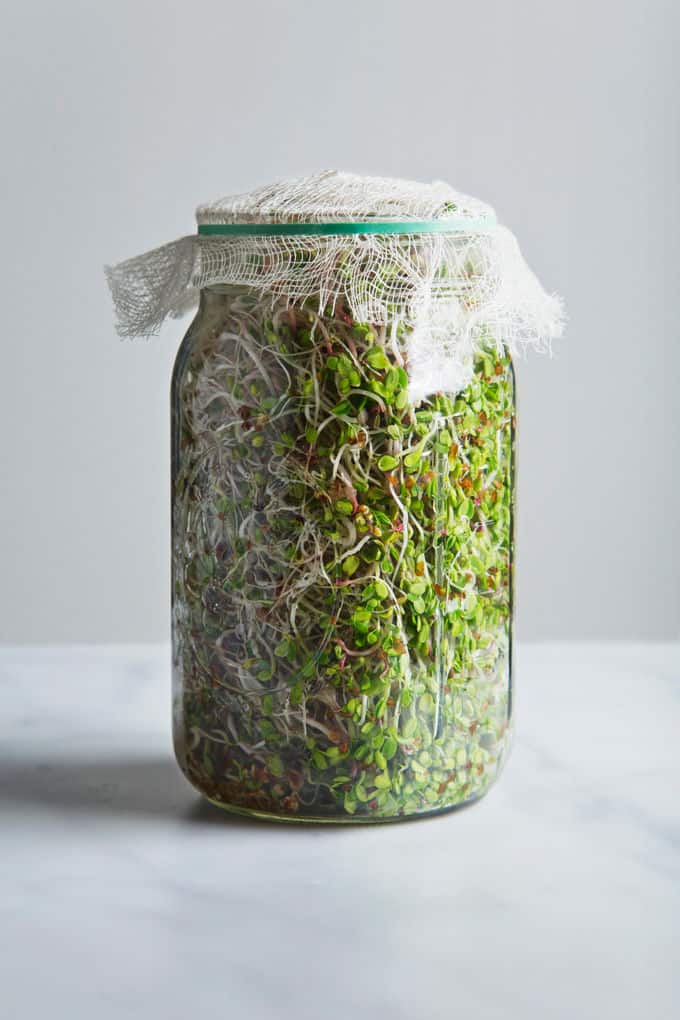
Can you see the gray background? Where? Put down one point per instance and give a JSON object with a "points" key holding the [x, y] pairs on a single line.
{"points": [[119, 118]]}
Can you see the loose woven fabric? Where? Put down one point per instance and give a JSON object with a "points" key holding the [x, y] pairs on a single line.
{"points": [[455, 291]]}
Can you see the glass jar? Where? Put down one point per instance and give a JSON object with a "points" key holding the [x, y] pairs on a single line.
{"points": [[342, 567]]}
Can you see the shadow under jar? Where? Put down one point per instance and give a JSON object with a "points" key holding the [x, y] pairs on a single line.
{"points": [[342, 567]]}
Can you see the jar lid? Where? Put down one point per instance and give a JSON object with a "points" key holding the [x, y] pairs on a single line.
{"points": [[394, 252], [340, 203]]}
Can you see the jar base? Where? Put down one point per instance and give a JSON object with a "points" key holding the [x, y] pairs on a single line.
{"points": [[338, 820]]}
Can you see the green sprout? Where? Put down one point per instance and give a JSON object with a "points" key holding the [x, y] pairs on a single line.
{"points": [[342, 566]]}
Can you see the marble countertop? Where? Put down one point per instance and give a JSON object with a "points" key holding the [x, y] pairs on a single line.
{"points": [[122, 895]]}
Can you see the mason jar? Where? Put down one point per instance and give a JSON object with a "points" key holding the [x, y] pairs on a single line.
{"points": [[342, 564]]}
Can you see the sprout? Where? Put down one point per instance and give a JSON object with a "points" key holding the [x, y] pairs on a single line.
{"points": [[341, 566]]}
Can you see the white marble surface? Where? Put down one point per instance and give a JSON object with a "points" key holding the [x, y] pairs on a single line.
{"points": [[122, 895]]}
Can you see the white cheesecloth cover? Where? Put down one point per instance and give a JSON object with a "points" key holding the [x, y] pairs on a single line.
{"points": [[395, 251]]}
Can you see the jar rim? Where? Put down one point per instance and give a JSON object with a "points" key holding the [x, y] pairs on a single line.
{"points": [[452, 225]]}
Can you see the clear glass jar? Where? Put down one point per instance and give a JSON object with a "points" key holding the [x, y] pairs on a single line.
{"points": [[342, 567]]}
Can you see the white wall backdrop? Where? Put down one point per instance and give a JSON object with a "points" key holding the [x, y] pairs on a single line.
{"points": [[118, 118]]}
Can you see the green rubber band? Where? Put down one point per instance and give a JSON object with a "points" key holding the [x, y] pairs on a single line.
{"points": [[450, 226]]}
